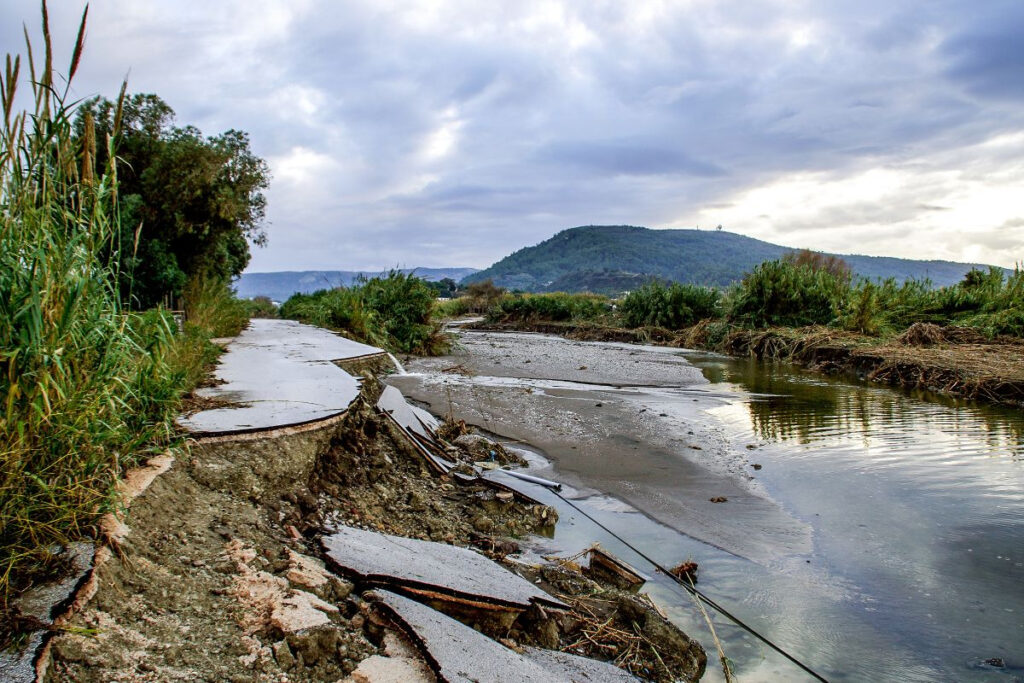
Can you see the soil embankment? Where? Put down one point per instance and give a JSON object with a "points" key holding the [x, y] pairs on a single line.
{"points": [[954, 361], [217, 570]]}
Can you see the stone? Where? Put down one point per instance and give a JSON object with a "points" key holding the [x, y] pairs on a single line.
{"points": [[283, 655]]}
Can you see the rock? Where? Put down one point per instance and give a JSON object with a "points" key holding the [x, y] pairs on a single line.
{"points": [[300, 611], [306, 571], [483, 523], [283, 655], [378, 669], [312, 645]]}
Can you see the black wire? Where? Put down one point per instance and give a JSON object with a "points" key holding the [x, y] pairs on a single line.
{"points": [[693, 590]]}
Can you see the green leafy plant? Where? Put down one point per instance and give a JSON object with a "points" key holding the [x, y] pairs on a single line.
{"points": [[394, 311], [672, 306], [557, 307], [87, 387]]}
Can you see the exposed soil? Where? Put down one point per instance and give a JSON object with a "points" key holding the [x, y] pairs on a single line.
{"points": [[219, 577]]}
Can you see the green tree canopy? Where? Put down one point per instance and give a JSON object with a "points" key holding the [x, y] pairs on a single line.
{"points": [[190, 204]]}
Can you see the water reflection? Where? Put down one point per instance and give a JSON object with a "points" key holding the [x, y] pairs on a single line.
{"points": [[789, 404]]}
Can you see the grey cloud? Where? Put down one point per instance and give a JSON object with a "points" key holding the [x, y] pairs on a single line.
{"points": [[989, 57], [628, 159], [640, 123]]}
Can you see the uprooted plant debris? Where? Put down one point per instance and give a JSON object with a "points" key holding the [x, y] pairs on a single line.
{"points": [[687, 571], [606, 623]]}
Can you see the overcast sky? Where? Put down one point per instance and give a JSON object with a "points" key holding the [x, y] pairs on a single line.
{"points": [[452, 133]]}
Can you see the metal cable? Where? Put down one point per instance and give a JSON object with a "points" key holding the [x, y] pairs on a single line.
{"points": [[693, 590]]}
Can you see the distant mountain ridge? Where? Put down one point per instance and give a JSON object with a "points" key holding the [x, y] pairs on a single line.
{"points": [[613, 258], [281, 285]]}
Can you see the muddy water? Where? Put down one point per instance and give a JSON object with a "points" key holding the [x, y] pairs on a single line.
{"points": [[881, 538]]}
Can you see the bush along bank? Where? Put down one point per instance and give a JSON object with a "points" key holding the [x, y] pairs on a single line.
{"points": [[966, 340], [394, 311]]}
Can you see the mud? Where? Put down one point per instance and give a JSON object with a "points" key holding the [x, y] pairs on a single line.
{"points": [[951, 360], [628, 422], [204, 587]]}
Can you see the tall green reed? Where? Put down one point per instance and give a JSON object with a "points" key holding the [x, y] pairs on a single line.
{"points": [[85, 387]]}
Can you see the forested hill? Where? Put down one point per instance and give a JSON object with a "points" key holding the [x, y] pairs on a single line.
{"points": [[281, 285], [614, 258]]}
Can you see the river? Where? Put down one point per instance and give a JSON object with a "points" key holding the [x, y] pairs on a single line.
{"points": [[874, 534]]}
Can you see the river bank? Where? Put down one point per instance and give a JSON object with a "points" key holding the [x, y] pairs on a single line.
{"points": [[953, 361], [911, 507], [222, 566]]}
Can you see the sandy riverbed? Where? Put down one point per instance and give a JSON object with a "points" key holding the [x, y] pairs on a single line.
{"points": [[628, 421]]}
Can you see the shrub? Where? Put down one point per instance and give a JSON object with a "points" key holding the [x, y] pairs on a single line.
{"points": [[556, 306], [404, 305], [482, 296], [261, 307], [672, 306], [782, 293], [395, 312], [453, 308]]}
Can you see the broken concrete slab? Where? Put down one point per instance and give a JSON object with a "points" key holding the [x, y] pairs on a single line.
{"points": [[279, 373], [578, 669], [432, 570], [457, 652], [44, 603], [606, 567], [43, 606], [417, 424], [18, 665]]}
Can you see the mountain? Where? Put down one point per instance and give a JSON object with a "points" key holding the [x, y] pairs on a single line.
{"points": [[281, 285], [613, 258]]}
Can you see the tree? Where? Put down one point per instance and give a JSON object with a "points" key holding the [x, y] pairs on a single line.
{"points": [[445, 287], [190, 205], [482, 295]]}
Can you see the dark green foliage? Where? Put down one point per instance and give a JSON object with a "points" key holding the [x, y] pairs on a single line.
{"points": [[190, 204], [445, 288], [612, 283], [574, 259], [557, 307], [403, 304], [781, 293], [394, 312], [671, 306]]}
